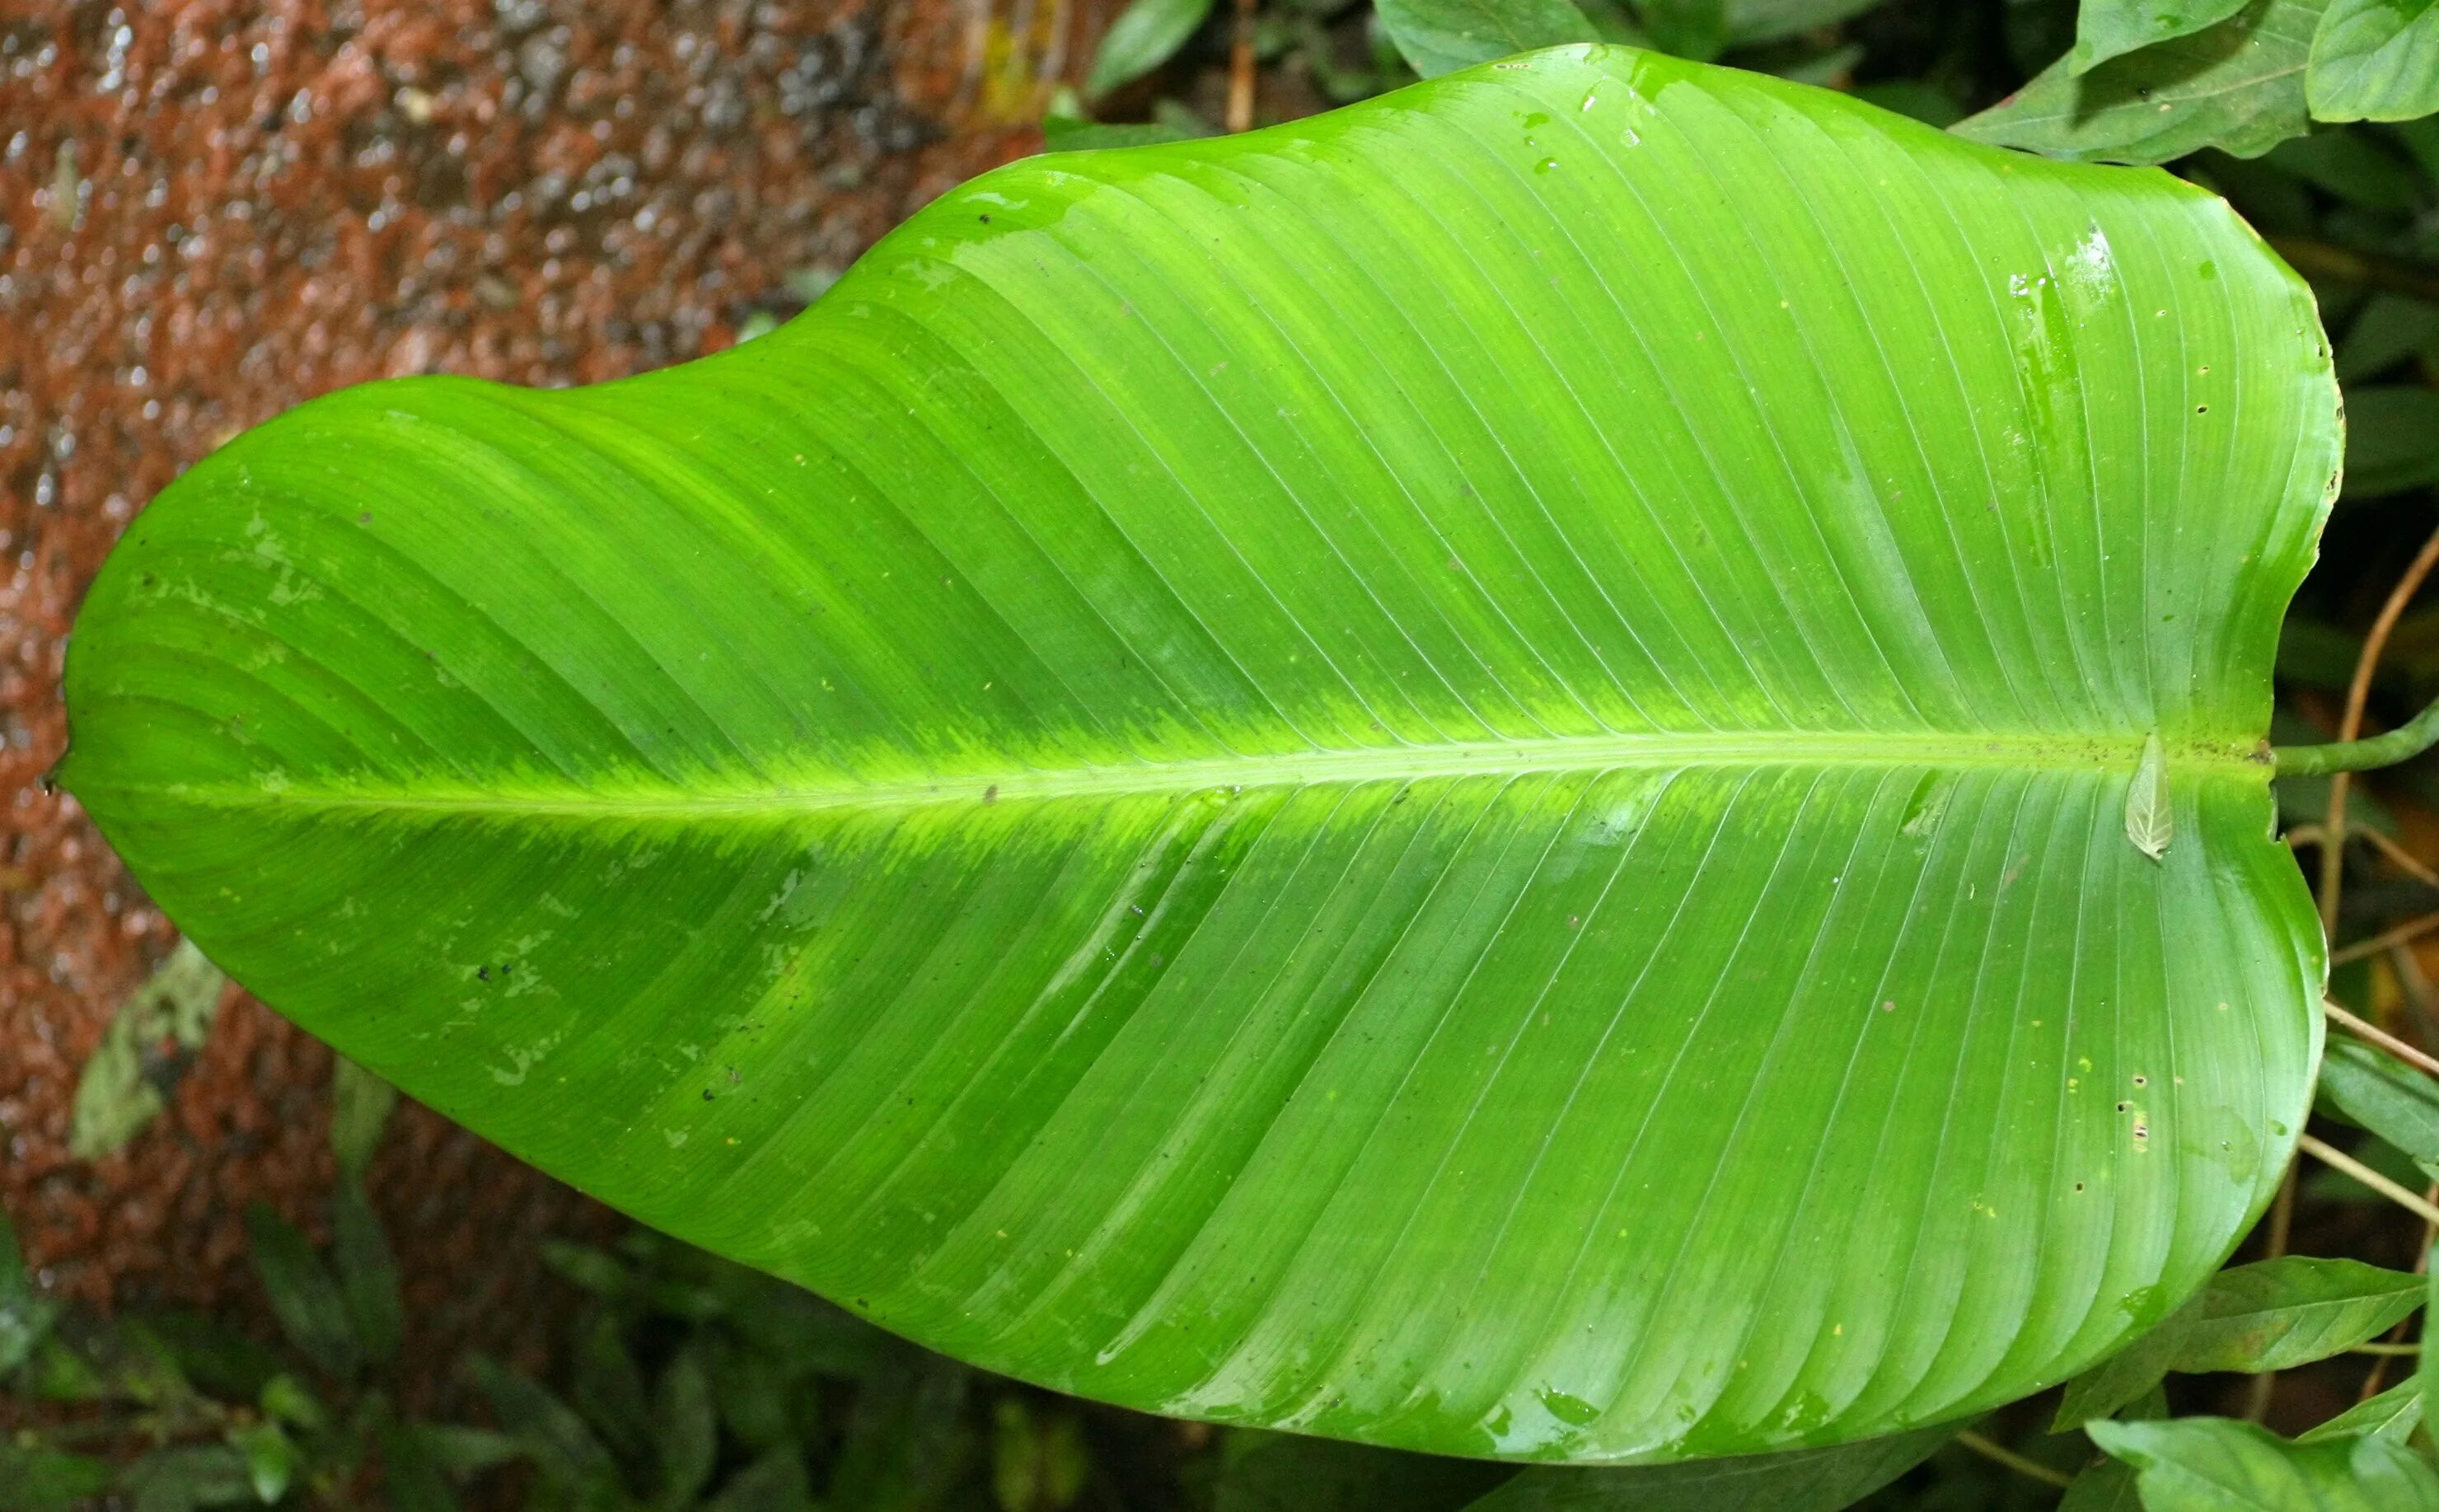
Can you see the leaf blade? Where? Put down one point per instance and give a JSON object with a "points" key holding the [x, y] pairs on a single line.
{"points": [[1153, 836]]}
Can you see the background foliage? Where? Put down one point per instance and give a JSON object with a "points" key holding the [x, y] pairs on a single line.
{"points": [[689, 1382]]}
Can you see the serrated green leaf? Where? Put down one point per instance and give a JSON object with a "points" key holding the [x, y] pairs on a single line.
{"points": [[2278, 1314], [1814, 1480], [2376, 60], [2393, 1415], [311, 1307], [2217, 1465], [2237, 86], [2110, 28], [1437, 37], [2394, 1101], [1146, 35], [1345, 777]]}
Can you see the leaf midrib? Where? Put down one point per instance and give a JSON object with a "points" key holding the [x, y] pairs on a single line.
{"points": [[638, 796]]}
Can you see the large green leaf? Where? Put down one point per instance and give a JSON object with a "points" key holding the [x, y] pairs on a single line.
{"points": [[2237, 86], [1454, 774]]}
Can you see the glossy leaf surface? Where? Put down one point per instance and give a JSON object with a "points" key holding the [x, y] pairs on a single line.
{"points": [[1453, 774]]}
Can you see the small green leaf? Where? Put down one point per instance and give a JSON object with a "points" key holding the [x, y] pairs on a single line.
{"points": [[1146, 35], [2237, 86], [2108, 28], [1690, 29], [285, 1400], [2217, 1465], [2376, 60], [367, 1274], [1437, 37], [685, 1430], [2150, 820], [2278, 1314], [1804, 1480], [2394, 1414], [2395, 1101], [34, 1479], [270, 1459], [310, 1308], [114, 1101], [2391, 440], [360, 1109]]}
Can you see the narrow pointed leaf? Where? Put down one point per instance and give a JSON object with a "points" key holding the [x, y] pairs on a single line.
{"points": [[2394, 1414], [2278, 1314], [2237, 86], [2377, 61], [2108, 28], [1453, 774]]}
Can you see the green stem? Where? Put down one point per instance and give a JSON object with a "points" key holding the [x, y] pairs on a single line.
{"points": [[2403, 744]]}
